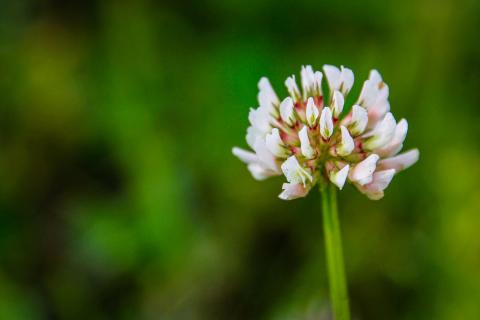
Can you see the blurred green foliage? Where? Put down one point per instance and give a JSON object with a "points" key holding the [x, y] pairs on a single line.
{"points": [[120, 199]]}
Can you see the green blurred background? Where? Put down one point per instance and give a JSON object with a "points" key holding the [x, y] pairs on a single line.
{"points": [[119, 196]]}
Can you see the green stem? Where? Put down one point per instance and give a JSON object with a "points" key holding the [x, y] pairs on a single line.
{"points": [[333, 245]]}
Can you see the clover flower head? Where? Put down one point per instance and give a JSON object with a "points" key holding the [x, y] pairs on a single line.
{"points": [[310, 137]]}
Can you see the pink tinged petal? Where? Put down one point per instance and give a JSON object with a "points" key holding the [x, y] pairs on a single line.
{"points": [[345, 147], [359, 120], [318, 76], [259, 172], [306, 148], [382, 134], [287, 111], [312, 113], [363, 171], [308, 80], [294, 172], [377, 112], [275, 144], [292, 88], [326, 123], [337, 103], [380, 181], [265, 157], [338, 178], [394, 146], [244, 155], [293, 191], [400, 162]]}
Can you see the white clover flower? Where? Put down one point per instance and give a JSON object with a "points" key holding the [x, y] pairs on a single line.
{"points": [[308, 142]]}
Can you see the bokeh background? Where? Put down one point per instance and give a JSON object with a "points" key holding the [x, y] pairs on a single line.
{"points": [[119, 196]]}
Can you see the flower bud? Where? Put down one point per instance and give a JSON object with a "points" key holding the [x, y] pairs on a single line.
{"points": [[345, 147], [306, 148], [337, 103], [359, 120], [292, 88], [318, 83], [308, 80], [368, 95], [326, 123], [287, 111], [312, 113], [338, 178], [275, 144], [339, 79]]}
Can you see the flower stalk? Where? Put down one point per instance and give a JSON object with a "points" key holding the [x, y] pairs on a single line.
{"points": [[334, 253]]}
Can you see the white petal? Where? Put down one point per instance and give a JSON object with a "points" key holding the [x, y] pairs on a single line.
{"points": [[259, 172], [359, 120], [394, 146], [256, 167], [338, 178], [363, 171], [337, 103], [292, 88], [326, 123], [368, 95], [382, 134], [265, 157], [308, 79], [260, 119], [380, 181], [244, 155], [275, 144], [375, 76], [287, 111], [265, 86], [347, 79], [318, 82], [252, 135], [267, 97], [293, 191], [333, 76], [294, 172], [305, 146], [312, 113], [345, 147], [400, 162], [377, 103], [377, 112]]}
